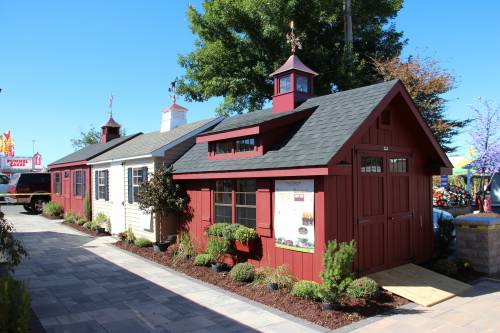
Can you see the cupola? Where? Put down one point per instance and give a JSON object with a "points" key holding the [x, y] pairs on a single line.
{"points": [[111, 129], [293, 81], [174, 115]]}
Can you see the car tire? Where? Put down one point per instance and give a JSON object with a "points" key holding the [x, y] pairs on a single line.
{"points": [[37, 204], [27, 208]]}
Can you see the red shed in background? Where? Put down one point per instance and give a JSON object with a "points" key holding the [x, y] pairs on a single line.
{"points": [[71, 175], [350, 165]]}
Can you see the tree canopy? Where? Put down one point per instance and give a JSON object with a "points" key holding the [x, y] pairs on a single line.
{"points": [[426, 83], [239, 43], [86, 138]]}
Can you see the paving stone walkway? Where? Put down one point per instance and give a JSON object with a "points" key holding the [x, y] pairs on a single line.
{"points": [[83, 284]]}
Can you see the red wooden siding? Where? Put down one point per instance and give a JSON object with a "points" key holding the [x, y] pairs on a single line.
{"points": [[67, 199]]}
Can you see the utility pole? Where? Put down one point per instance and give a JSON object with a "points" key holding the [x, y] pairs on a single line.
{"points": [[348, 34]]}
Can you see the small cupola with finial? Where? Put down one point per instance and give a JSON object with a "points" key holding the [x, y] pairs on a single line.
{"points": [[293, 81], [174, 115], [110, 130]]}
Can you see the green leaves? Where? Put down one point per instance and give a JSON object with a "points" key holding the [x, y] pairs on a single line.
{"points": [[161, 195], [241, 42]]}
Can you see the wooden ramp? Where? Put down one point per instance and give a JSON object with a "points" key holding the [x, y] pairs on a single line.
{"points": [[419, 285]]}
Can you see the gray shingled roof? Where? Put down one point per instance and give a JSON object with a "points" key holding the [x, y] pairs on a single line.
{"points": [[90, 151], [312, 142], [147, 143]]}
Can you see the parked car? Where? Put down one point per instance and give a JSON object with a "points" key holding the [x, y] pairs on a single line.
{"points": [[436, 213], [37, 189], [4, 184]]}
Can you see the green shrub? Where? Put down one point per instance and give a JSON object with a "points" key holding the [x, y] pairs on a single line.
{"points": [[217, 229], [445, 237], [87, 210], [80, 221], [88, 225], [280, 276], [70, 217], [307, 289], [52, 208], [142, 242], [363, 288], [122, 236], [14, 306], [130, 235], [446, 266], [203, 259], [244, 234], [102, 221], [463, 265], [184, 247], [243, 272], [337, 265], [11, 249], [217, 248]]}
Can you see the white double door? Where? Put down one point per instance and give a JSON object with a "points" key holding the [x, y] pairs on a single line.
{"points": [[117, 179]]}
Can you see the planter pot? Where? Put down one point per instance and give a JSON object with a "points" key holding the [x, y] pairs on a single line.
{"points": [[272, 286], [100, 231], [330, 305], [242, 247], [217, 267], [130, 242], [161, 247], [229, 261]]}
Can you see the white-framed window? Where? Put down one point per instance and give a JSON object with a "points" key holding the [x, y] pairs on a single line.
{"points": [[101, 184], [136, 177]]}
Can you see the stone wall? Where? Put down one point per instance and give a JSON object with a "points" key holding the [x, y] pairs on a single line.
{"points": [[479, 242]]}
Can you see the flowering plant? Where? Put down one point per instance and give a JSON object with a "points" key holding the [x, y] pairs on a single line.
{"points": [[451, 196]]}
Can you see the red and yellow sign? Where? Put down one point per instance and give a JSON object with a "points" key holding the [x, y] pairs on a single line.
{"points": [[6, 144]]}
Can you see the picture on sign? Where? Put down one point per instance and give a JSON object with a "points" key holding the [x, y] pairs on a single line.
{"points": [[294, 214]]}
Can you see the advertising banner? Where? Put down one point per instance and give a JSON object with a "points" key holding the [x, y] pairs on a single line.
{"points": [[294, 214], [16, 163]]}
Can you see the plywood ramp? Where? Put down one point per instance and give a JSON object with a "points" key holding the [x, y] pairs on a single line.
{"points": [[419, 285]]}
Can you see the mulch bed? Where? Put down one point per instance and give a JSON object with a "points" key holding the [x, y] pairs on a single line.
{"points": [[83, 229], [352, 309]]}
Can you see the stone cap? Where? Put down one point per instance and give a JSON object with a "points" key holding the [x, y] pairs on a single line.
{"points": [[477, 220]]}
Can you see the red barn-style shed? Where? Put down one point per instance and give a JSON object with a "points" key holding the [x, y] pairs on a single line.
{"points": [[71, 175], [350, 165]]}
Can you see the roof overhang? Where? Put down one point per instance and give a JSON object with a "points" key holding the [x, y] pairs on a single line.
{"points": [[65, 165], [276, 173]]}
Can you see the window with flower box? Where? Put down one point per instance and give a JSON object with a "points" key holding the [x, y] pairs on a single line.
{"points": [[238, 196]]}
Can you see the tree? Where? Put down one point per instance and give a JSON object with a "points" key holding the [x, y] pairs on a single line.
{"points": [[161, 196], [485, 139], [241, 42], [90, 137], [426, 82]]}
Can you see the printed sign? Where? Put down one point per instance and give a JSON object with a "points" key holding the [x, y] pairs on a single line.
{"points": [[37, 161], [294, 214], [18, 163]]}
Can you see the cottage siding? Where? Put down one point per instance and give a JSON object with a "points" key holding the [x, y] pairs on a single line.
{"points": [[134, 217], [101, 205]]}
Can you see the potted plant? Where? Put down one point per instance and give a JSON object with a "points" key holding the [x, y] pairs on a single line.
{"points": [[161, 246], [279, 278], [245, 239], [101, 223], [217, 248], [329, 300]]}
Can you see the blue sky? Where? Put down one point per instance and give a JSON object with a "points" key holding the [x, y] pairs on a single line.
{"points": [[60, 61]]}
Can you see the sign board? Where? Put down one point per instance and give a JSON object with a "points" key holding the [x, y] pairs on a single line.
{"points": [[37, 161], [17, 163], [294, 214], [444, 181]]}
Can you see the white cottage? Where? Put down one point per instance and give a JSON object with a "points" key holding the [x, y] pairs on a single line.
{"points": [[118, 173]]}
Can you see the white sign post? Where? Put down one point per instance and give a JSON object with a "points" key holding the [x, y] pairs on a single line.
{"points": [[294, 214]]}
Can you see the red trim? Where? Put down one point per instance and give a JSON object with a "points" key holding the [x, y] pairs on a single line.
{"points": [[248, 131], [298, 172], [69, 164]]}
